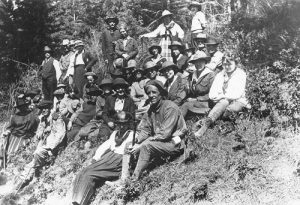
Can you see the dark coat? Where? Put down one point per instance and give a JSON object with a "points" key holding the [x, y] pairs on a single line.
{"points": [[89, 60], [182, 62], [109, 112], [131, 48], [108, 43], [177, 92]]}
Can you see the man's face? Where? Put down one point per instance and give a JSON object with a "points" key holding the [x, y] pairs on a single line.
{"points": [[151, 73], [211, 48], [90, 79], [194, 10], [47, 54], [169, 73], [200, 64], [153, 94], [189, 53], [111, 24], [123, 32], [167, 20], [138, 75], [155, 51], [106, 90], [79, 48], [176, 51], [65, 48]]}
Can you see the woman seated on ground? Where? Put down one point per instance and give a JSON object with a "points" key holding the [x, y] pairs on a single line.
{"points": [[84, 114], [21, 128], [91, 82], [120, 101], [91, 130], [107, 162], [175, 85], [227, 92], [199, 86], [138, 94]]}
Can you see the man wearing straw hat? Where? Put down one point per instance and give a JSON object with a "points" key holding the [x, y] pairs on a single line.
{"points": [[109, 38], [168, 31]]}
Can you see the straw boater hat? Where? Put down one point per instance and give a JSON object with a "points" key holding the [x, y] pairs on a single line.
{"points": [[158, 47], [166, 13], [91, 74], [117, 74], [157, 84], [195, 4], [176, 44], [59, 92], [120, 82], [47, 49], [169, 64], [111, 18], [78, 43], [61, 85], [131, 64], [199, 56]]}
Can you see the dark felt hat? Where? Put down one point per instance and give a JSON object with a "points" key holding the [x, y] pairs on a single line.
{"points": [[168, 65], [189, 47], [120, 82], [32, 92], [45, 104], [111, 18], [105, 82], [117, 74], [158, 47], [176, 44], [159, 86], [91, 74], [195, 4], [150, 65]]}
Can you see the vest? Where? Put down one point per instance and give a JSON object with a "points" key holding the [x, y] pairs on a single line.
{"points": [[48, 69]]}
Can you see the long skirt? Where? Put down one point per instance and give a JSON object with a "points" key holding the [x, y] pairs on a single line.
{"points": [[165, 51], [107, 168], [79, 79]]}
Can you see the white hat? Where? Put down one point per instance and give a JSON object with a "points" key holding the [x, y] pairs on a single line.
{"points": [[79, 43], [166, 13], [65, 42]]}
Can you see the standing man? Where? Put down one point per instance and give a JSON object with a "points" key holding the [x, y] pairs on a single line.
{"points": [[50, 72], [126, 47], [109, 38], [80, 63], [64, 61]]}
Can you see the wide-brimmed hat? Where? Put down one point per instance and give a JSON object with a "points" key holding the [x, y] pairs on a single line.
{"points": [[176, 44], [189, 47], [120, 82], [79, 43], [117, 74], [111, 18], [47, 49], [158, 47], [45, 104], [65, 42], [169, 64], [199, 56], [195, 4], [59, 92], [150, 65], [212, 41], [93, 91], [159, 86], [166, 13], [105, 82], [20, 102], [91, 74], [131, 64], [32, 92]]}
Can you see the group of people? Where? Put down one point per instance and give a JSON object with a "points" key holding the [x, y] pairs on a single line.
{"points": [[137, 110]]}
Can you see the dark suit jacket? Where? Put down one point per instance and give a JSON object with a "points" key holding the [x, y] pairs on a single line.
{"points": [[109, 112], [177, 91], [182, 63], [89, 60], [108, 39], [131, 48]]}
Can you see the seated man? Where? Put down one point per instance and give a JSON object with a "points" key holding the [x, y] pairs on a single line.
{"points": [[216, 55], [199, 86], [160, 130], [179, 58], [107, 162], [227, 92], [175, 85]]}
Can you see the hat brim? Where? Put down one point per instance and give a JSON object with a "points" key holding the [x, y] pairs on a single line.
{"points": [[120, 84], [212, 44], [180, 47], [207, 59], [174, 67], [81, 44], [190, 49], [116, 20]]}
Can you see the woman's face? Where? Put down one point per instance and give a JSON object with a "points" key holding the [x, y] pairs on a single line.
{"points": [[90, 79], [200, 65], [47, 54], [151, 73], [194, 10], [155, 51]]}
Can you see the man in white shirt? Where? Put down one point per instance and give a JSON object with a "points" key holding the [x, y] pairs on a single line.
{"points": [[50, 72], [227, 92]]}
